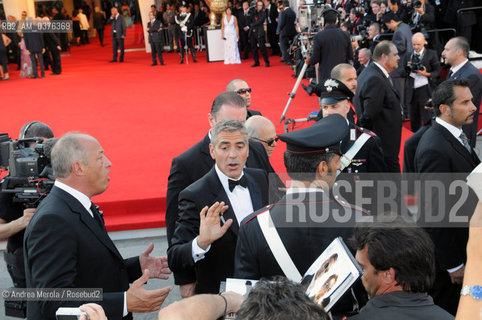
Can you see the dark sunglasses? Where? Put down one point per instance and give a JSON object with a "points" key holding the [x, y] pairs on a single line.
{"points": [[268, 142], [243, 91]]}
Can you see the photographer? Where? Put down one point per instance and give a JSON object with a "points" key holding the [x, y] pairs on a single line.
{"points": [[423, 16], [14, 218], [423, 68]]}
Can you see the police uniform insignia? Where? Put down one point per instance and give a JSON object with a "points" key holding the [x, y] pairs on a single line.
{"points": [[330, 84]]}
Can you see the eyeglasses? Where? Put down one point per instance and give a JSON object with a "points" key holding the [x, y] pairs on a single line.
{"points": [[268, 142], [243, 91]]}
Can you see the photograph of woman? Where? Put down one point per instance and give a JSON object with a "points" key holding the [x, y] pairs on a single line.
{"points": [[230, 35]]}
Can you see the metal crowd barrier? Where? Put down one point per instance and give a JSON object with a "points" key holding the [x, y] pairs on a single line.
{"points": [[199, 41]]}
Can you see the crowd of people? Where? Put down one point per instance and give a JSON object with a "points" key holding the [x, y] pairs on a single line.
{"points": [[221, 190]]}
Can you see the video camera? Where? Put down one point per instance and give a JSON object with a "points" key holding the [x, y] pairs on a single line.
{"points": [[30, 175]]}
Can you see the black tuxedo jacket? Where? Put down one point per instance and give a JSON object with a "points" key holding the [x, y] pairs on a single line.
{"points": [[440, 152], [256, 24], [194, 164], [473, 76], [272, 13], [379, 107], [155, 31], [34, 42], [331, 46], [64, 247], [218, 263], [287, 25], [243, 20]]}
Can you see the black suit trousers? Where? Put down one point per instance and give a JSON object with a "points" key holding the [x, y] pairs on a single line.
{"points": [[416, 107], [156, 50], [100, 34], [255, 42], [33, 58], [118, 43], [244, 43]]}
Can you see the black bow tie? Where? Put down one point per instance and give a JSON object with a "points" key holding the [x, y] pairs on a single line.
{"points": [[243, 182]]}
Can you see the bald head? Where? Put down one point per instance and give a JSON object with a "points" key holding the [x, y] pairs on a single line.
{"points": [[237, 85], [418, 41], [263, 130], [345, 73]]}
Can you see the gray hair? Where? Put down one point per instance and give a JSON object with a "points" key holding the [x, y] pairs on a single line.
{"points": [[66, 152], [366, 52], [228, 125], [232, 84], [337, 71]]}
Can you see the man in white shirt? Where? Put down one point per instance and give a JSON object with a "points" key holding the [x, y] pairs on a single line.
{"points": [[67, 245], [84, 27], [203, 240]]}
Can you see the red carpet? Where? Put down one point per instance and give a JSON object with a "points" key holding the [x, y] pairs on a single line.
{"points": [[143, 116]]}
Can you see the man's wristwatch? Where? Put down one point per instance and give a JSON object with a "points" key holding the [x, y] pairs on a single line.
{"points": [[474, 291]]}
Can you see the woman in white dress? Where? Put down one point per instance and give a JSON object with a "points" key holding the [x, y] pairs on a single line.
{"points": [[230, 34]]}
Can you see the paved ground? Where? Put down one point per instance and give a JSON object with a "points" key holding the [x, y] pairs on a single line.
{"points": [[127, 248]]}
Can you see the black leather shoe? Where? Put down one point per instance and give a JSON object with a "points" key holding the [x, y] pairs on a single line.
{"points": [[113, 61], [154, 64], [255, 65]]}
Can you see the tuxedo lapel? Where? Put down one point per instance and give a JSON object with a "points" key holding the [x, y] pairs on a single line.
{"points": [[456, 145], [387, 80], [207, 160], [254, 192], [86, 219], [218, 194]]}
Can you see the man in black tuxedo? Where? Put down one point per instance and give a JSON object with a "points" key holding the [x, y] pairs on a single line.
{"points": [[154, 27], [257, 34], [287, 28], [456, 53], [66, 244], [242, 88], [331, 46], [227, 105], [272, 24], [243, 25], [420, 81], [379, 103], [444, 149], [118, 33], [35, 46], [204, 243]]}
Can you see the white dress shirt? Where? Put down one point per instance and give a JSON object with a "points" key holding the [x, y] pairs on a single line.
{"points": [[86, 203], [241, 204], [456, 132], [457, 68]]}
